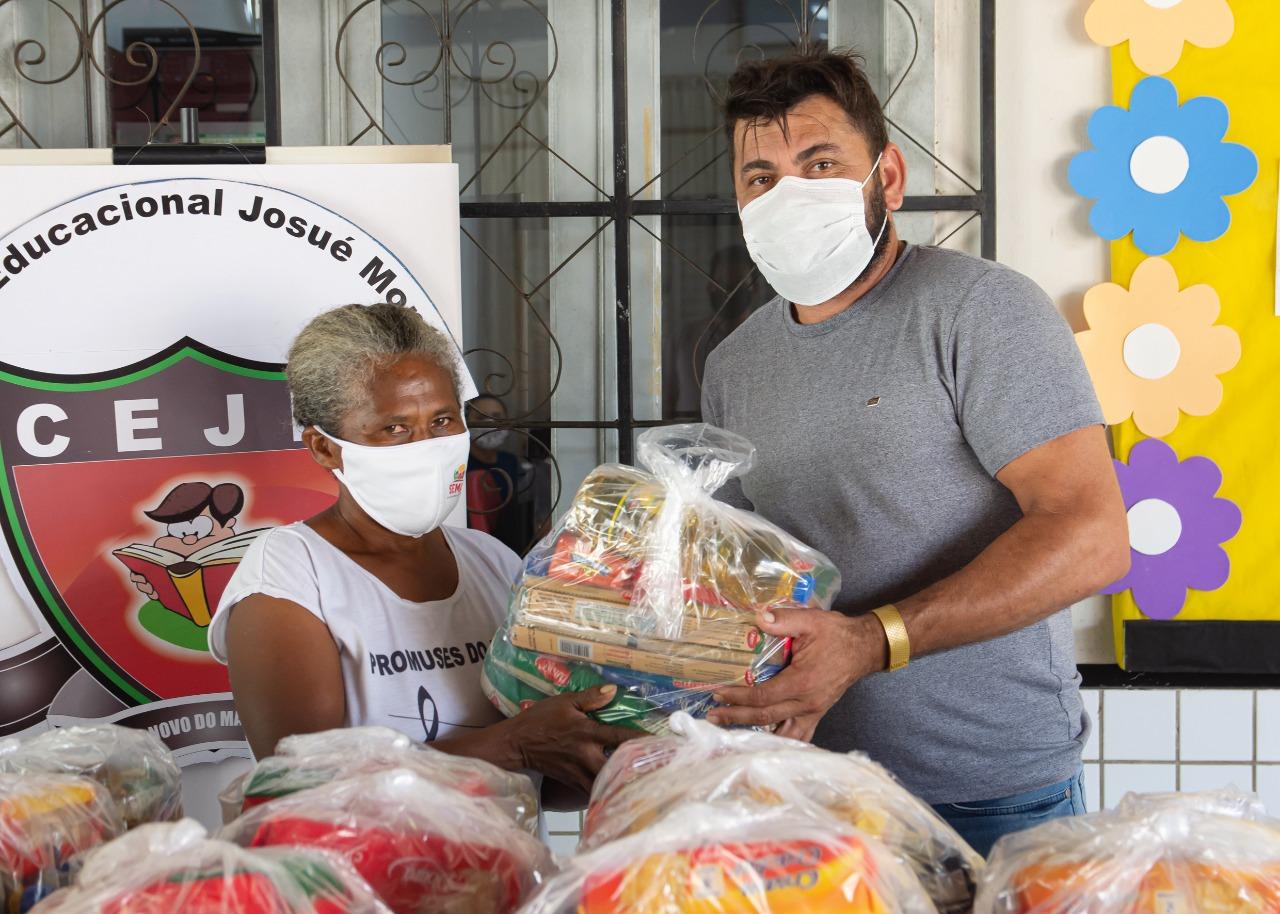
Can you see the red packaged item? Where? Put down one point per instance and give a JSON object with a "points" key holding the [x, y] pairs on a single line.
{"points": [[177, 869], [45, 820], [422, 846], [312, 765]]}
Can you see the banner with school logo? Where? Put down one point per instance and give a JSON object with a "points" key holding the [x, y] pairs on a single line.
{"points": [[145, 431]]}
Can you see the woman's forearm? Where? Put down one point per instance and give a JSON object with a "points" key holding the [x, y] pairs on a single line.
{"points": [[494, 744]]}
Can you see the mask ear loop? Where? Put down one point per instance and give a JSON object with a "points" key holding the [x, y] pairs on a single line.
{"points": [[885, 223]]}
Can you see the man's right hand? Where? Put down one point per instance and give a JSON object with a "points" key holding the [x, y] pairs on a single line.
{"points": [[144, 586], [556, 737]]}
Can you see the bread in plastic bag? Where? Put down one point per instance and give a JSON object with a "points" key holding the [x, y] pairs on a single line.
{"points": [[135, 766], [650, 584], [45, 821], [735, 859], [174, 868], [1213, 853], [422, 846], [647, 778], [282, 775]]}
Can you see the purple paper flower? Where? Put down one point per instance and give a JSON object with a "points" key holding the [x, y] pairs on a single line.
{"points": [[1176, 527]]}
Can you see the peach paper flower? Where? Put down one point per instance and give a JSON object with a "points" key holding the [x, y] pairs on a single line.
{"points": [[1153, 350], [1157, 29]]}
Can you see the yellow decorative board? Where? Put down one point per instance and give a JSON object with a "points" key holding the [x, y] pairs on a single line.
{"points": [[1241, 435]]}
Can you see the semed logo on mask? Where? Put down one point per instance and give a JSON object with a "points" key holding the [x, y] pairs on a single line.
{"points": [[459, 475]]}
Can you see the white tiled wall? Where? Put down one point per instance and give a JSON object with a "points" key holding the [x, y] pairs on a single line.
{"points": [[1167, 739]]}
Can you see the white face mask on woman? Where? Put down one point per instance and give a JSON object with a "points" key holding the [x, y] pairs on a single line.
{"points": [[407, 488], [809, 236]]}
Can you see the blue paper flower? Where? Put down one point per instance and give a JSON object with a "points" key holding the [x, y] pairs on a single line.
{"points": [[1158, 168]]}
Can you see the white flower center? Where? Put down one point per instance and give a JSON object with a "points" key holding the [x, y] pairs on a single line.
{"points": [[1152, 351], [1154, 527], [1163, 4], [1159, 164]]}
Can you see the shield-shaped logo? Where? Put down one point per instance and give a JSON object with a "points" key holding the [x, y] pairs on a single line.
{"points": [[129, 497]]}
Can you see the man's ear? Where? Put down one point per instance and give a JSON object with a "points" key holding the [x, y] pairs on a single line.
{"points": [[893, 176], [231, 522], [323, 451]]}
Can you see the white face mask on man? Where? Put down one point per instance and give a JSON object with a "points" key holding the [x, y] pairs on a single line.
{"points": [[809, 236], [407, 488]]}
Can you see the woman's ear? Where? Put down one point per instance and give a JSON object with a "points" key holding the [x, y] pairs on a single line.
{"points": [[323, 451]]}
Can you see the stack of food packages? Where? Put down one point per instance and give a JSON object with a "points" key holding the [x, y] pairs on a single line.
{"points": [[136, 768], [420, 844], [308, 761], [729, 858], [1210, 853], [656, 786], [45, 821], [649, 584], [176, 869]]}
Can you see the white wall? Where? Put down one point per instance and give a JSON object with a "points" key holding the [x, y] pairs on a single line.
{"points": [[1049, 79]]}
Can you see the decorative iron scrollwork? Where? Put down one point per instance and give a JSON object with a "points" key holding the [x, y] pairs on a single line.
{"points": [[29, 53]]}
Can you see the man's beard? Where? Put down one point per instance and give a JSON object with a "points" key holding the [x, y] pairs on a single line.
{"points": [[877, 213]]}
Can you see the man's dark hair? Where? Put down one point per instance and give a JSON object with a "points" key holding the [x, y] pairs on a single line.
{"points": [[189, 499], [763, 91]]}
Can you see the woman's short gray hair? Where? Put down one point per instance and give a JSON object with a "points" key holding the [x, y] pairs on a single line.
{"points": [[333, 360]]}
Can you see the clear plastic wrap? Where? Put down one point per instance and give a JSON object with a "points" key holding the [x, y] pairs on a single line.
{"points": [[282, 775], [422, 846], [344, 739], [46, 820], [1214, 853], [735, 859], [637, 787], [174, 868], [652, 585], [135, 767]]}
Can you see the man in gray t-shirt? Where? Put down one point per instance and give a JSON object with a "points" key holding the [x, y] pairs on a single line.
{"points": [[924, 418]]}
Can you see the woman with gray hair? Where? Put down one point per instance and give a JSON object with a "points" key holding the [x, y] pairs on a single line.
{"points": [[374, 611]]}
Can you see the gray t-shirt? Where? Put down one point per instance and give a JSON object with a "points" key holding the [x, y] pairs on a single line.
{"points": [[879, 434]]}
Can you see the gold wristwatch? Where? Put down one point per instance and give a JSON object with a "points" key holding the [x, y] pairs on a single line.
{"points": [[895, 630]]}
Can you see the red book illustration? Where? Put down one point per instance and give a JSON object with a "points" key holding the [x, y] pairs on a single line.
{"points": [[189, 585]]}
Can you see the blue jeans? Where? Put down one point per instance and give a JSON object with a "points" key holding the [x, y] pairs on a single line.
{"points": [[984, 822]]}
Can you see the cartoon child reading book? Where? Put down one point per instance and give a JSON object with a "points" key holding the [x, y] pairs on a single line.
{"points": [[187, 568]]}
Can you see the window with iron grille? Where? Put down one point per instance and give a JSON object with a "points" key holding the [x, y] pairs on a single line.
{"points": [[602, 257]]}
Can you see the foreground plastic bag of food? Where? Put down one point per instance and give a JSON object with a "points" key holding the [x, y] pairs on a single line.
{"points": [[699, 762], [282, 775], [1213, 853], [728, 859], [135, 767], [650, 584], [45, 821], [422, 846], [175, 868]]}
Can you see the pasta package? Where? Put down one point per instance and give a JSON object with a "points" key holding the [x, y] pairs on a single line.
{"points": [[650, 584], [700, 763], [135, 767], [313, 765], [420, 845], [735, 860], [1209, 853], [174, 868], [45, 821]]}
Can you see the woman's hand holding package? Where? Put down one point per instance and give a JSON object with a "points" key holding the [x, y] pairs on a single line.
{"points": [[554, 737], [829, 653]]}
